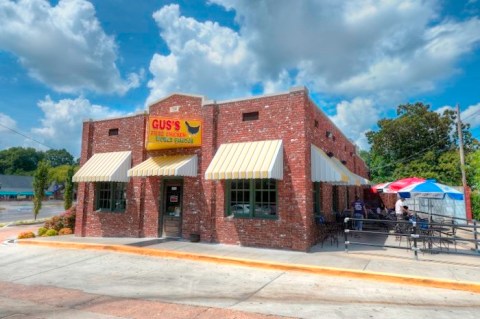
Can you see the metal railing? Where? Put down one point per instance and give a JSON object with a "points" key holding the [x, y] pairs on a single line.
{"points": [[434, 237]]}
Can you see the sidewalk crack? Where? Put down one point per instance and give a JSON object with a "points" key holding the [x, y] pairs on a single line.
{"points": [[366, 265], [59, 267], [256, 291]]}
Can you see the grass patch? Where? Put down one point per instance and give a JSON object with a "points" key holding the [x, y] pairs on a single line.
{"points": [[24, 222]]}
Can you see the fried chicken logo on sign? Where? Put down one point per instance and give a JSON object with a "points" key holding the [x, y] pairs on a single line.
{"points": [[164, 133]]}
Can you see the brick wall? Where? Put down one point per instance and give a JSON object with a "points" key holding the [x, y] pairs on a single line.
{"points": [[280, 117], [96, 139]]}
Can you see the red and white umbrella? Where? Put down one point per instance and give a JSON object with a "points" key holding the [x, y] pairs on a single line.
{"points": [[404, 182], [381, 188], [394, 187]]}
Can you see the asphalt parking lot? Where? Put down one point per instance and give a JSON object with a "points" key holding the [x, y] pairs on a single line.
{"points": [[12, 211]]}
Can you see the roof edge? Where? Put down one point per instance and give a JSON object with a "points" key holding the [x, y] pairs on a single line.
{"points": [[253, 97], [203, 97]]}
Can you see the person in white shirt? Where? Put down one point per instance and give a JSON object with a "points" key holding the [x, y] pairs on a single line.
{"points": [[381, 210], [399, 208]]}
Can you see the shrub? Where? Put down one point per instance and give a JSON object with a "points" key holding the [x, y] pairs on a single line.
{"points": [[42, 231], [475, 200], [64, 220], [69, 218], [51, 232], [26, 234], [55, 222], [65, 231]]}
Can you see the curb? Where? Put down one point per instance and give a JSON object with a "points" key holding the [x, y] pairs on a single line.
{"points": [[317, 270]]}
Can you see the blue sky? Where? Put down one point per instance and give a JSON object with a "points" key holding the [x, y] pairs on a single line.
{"points": [[62, 62]]}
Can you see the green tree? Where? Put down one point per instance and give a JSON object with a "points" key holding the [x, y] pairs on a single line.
{"points": [[58, 174], [68, 194], [19, 160], [418, 142], [473, 170], [475, 198], [58, 157], [40, 184]]}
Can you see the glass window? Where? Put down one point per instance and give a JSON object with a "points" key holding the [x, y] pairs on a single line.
{"points": [[252, 198], [110, 196]]}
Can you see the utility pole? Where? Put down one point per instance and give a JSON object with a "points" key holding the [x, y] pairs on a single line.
{"points": [[462, 156]]}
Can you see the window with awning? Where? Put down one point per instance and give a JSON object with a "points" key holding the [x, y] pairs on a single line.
{"points": [[105, 167], [249, 160], [330, 170]]}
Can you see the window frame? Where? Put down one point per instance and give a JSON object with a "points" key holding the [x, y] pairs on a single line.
{"points": [[251, 201], [113, 189], [250, 116]]}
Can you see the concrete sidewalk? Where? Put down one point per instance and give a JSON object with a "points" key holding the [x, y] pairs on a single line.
{"points": [[391, 265]]}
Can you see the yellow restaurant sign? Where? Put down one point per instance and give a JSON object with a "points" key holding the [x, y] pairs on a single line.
{"points": [[164, 133]]}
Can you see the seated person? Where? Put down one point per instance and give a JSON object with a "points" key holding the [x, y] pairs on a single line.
{"points": [[382, 210], [405, 212]]}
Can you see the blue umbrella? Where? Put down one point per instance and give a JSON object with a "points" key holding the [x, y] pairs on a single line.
{"points": [[430, 189]]}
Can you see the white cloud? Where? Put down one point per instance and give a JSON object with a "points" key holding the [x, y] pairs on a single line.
{"points": [[471, 115], [63, 46], [205, 58], [444, 108], [12, 136], [6, 122], [8, 138], [357, 47], [355, 118], [382, 51], [61, 124]]}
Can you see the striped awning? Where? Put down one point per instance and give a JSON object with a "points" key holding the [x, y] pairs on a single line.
{"points": [[331, 170], [353, 179], [250, 160], [177, 165], [105, 167], [324, 169], [363, 180]]}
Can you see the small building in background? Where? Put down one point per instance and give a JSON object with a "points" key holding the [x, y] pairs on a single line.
{"points": [[15, 187]]}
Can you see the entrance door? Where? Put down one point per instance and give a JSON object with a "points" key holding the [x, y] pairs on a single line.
{"points": [[172, 217]]}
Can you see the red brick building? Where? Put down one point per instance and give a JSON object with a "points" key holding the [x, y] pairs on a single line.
{"points": [[253, 171]]}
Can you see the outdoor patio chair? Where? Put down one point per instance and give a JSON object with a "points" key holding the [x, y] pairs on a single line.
{"points": [[401, 229]]}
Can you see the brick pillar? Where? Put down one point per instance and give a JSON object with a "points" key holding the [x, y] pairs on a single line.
{"points": [[299, 162], [83, 192], [209, 148], [151, 206]]}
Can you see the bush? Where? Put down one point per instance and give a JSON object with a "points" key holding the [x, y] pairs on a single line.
{"points": [[65, 231], [56, 222], [42, 231], [475, 198], [64, 220], [51, 232], [69, 218], [26, 234]]}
